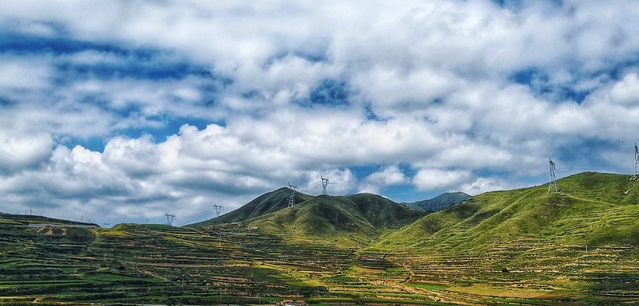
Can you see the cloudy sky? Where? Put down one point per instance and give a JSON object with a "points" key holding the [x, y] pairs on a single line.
{"points": [[122, 111]]}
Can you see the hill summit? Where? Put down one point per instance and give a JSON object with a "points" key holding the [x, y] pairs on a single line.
{"points": [[343, 220], [267, 203], [279, 199], [349, 219]]}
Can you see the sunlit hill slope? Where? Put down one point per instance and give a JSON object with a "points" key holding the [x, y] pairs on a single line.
{"points": [[589, 208], [578, 246], [342, 220]]}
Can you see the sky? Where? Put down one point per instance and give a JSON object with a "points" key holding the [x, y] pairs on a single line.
{"points": [[124, 111]]}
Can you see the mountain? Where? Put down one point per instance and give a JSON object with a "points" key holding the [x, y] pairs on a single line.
{"points": [[341, 220], [440, 202], [589, 208], [578, 246], [264, 204]]}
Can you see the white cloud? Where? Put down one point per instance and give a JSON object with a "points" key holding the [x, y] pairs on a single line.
{"points": [[481, 185], [18, 73], [388, 176], [427, 179], [626, 91], [23, 151], [430, 86]]}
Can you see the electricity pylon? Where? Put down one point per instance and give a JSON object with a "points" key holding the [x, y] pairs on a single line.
{"points": [[634, 176], [324, 184], [291, 199], [169, 218], [218, 209], [553, 177]]}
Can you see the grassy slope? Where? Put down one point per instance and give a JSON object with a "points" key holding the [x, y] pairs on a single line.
{"points": [[590, 208], [531, 246], [456, 255], [352, 220]]}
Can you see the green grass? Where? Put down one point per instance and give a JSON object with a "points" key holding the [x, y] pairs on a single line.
{"points": [[347, 221], [517, 247]]}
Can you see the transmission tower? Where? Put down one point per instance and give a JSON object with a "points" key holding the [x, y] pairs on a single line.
{"points": [[634, 176], [291, 199], [324, 184], [218, 209], [169, 218], [553, 177]]}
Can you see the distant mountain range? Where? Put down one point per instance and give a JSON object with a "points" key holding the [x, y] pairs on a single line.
{"points": [[442, 201], [584, 202], [350, 218], [279, 199]]}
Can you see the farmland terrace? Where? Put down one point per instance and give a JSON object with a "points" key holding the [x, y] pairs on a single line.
{"points": [[230, 264], [521, 247]]}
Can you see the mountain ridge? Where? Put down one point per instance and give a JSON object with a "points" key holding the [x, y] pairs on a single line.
{"points": [[348, 220], [440, 202], [264, 204], [278, 199]]}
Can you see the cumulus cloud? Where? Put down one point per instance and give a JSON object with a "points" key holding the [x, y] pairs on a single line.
{"points": [[626, 91], [388, 176], [481, 185], [426, 179], [137, 108], [19, 152]]}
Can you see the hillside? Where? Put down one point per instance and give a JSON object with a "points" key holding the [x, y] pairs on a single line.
{"points": [[584, 211], [580, 241], [342, 220], [578, 246], [440, 202], [264, 204]]}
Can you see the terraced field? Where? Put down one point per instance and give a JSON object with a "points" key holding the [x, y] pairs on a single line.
{"points": [[529, 272], [160, 264], [521, 247]]}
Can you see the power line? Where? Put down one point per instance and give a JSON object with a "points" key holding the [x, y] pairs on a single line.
{"points": [[203, 216]]}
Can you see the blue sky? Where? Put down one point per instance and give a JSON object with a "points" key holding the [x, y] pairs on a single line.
{"points": [[122, 111]]}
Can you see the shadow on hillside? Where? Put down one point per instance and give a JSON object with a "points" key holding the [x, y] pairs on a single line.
{"points": [[614, 286]]}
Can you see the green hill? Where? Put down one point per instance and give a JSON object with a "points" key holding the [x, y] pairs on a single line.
{"points": [[264, 204], [578, 246], [589, 208], [343, 220], [439, 202]]}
